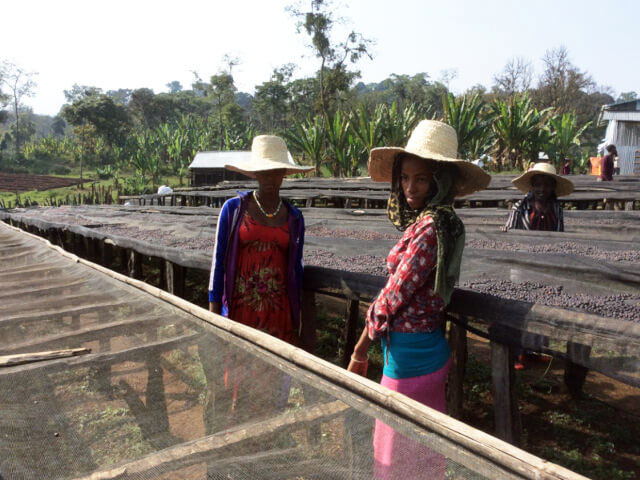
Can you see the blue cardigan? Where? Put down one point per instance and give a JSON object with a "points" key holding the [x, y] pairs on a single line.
{"points": [[225, 255]]}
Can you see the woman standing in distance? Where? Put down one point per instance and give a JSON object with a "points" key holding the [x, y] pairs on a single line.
{"points": [[256, 272], [423, 268]]}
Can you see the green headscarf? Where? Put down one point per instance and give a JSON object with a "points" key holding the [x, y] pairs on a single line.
{"points": [[449, 227]]}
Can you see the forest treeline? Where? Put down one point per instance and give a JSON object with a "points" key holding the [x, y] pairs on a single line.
{"points": [[330, 119]]}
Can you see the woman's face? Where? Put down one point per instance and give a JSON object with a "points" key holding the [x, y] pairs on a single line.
{"points": [[269, 181], [415, 179], [543, 187]]}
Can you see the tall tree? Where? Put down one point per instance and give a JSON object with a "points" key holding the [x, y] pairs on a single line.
{"points": [[20, 84], [317, 20], [562, 85], [107, 119], [271, 100], [516, 77], [221, 92], [174, 86]]}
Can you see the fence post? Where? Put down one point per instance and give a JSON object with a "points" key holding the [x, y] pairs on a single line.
{"points": [[505, 403], [458, 344]]}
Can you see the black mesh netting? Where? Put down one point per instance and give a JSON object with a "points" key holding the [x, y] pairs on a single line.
{"points": [[165, 395]]}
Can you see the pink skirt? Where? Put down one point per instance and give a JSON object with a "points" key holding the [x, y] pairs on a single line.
{"points": [[396, 456]]}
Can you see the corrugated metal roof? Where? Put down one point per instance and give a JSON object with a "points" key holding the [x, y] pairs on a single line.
{"points": [[628, 106], [220, 159], [621, 116]]}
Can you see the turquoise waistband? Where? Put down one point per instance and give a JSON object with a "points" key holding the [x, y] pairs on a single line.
{"points": [[414, 354]]}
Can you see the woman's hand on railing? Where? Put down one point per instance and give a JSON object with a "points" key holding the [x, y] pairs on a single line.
{"points": [[358, 365]]}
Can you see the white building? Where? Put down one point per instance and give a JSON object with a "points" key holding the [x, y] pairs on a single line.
{"points": [[623, 131]]}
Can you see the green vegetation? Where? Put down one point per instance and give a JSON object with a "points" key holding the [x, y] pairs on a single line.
{"points": [[137, 138]]}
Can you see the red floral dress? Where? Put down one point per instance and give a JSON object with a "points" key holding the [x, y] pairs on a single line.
{"points": [[260, 297]]}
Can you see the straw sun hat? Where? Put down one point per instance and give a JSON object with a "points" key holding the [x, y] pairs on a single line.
{"points": [[523, 182], [268, 152], [435, 142]]}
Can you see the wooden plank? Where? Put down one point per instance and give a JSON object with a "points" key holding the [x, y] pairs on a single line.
{"points": [[195, 449], [85, 334], [23, 358]]}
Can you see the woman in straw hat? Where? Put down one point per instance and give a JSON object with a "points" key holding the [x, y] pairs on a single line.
{"points": [[256, 272], [540, 208], [423, 268]]}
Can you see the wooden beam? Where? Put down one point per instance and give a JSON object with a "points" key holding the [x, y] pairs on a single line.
{"points": [[194, 450], [86, 334], [59, 310]]}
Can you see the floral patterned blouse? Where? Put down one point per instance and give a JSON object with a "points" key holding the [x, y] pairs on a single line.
{"points": [[260, 297], [408, 303]]}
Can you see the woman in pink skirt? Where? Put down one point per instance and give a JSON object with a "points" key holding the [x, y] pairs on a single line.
{"points": [[423, 268]]}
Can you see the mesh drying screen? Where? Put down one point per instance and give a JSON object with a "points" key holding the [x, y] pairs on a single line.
{"points": [[165, 395]]}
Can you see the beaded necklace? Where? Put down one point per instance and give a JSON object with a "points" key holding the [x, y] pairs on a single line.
{"points": [[268, 215]]}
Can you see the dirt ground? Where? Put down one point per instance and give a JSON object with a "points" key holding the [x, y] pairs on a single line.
{"points": [[595, 435]]}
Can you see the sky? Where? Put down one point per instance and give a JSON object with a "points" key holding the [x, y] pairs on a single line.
{"points": [[140, 43]]}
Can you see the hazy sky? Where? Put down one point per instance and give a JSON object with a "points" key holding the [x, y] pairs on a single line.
{"points": [[140, 43]]}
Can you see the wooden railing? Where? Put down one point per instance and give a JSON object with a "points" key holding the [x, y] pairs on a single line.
{"points": [[507, 324]]}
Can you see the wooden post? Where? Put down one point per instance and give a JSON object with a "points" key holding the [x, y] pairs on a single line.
{"points": [[505, 405], [308, 321], [174, 275], [78, 245], [458, 344], [107, 252], [350, 328], [134, 265], [576, 374]]}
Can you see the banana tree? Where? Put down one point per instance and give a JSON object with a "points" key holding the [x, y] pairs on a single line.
{"points": [[308, 138], [564, 137], [366, 133], [339, 144], [397, 124], [467, 115], [517, 130]]}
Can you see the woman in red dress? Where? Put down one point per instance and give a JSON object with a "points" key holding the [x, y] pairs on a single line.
{"points": [[256, 273], [256, 280]]}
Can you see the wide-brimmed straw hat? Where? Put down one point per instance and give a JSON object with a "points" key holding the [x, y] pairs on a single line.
{"points": [[436, 142], [523, 182], [268, 152]]}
